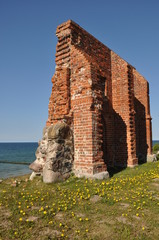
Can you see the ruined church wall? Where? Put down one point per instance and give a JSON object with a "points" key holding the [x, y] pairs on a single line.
{"points": [[98, 94]]}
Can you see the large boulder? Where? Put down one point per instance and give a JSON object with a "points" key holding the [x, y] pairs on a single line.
{"points": [[54, 155], [58, 131], [50, 176], [152, 158], [36, 166]]}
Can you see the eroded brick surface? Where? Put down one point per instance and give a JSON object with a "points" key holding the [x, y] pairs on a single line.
{"points": [[103, 99]]}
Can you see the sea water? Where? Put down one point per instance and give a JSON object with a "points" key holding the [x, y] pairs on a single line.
{"points": [[155, 142], [15, 158]]}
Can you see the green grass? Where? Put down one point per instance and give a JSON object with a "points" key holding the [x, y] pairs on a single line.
{"points": [[125, 206]]}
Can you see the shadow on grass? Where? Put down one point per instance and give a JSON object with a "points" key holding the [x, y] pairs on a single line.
{"points": [[115, 170]]}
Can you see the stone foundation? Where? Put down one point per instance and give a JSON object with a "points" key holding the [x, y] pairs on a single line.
{"points": [[54, 156]]}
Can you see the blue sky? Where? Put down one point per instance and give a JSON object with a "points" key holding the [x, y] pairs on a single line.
{"points": [[27, 53]]}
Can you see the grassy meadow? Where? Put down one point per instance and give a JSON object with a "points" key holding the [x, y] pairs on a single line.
{"points": [[126, 206]]}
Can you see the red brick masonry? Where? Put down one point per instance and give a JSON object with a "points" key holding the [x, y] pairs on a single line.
{"points": [[103, 99]]}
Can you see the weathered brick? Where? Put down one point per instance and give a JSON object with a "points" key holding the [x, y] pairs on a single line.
{"points": [[104, 100]]}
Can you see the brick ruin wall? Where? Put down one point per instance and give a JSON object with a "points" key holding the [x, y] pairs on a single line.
{"points": [[103, 99]]}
